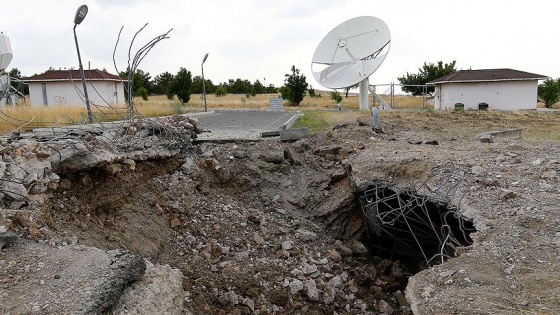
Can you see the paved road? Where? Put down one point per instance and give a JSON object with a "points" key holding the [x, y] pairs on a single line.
{"points": [[242, 124]]}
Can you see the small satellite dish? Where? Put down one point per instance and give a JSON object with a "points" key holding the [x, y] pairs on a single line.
{"points": [[350, 53]]}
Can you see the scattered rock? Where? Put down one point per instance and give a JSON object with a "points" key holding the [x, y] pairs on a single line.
{"points": [[306, 236], [175, 223], [477, 170], [505, 194], [385, 308], [549, 174], [249, 303], [309, 269], [486, 138], [358, 247], [312, 292], [296, 286], [287, 245], [258, 239], [233, 298], [334, 255]]}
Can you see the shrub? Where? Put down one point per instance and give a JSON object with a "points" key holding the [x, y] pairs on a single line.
{"points": [[221, 91]]}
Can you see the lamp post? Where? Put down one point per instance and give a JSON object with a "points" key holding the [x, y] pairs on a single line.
{"points": [[264, 80], [80, 15], [204, 83]]}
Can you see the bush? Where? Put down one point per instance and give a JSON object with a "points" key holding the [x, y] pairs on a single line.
{"points": [[336, 96], [143, 92], [221, 91]]}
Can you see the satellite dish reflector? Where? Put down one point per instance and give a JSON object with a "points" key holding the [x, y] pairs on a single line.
{"points": [[6, 54], [351, 52]]}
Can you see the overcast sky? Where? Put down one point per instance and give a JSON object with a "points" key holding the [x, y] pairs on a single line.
{"points": [[258, 39]]}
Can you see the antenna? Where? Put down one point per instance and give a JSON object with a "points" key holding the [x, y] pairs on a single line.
{"points": [[6, 56], [350, 53]]}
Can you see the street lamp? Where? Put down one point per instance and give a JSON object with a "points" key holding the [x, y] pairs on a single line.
{"points": [[80, 15], [264, 79], [204, 83]]}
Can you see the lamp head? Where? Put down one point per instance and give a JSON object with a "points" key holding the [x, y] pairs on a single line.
{"points": [[205, 56], [80, 14]]}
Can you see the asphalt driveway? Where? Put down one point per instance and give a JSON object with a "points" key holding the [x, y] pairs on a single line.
{"points": [[243, 124]]}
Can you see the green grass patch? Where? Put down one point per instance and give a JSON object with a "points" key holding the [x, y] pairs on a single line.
{"points": [[315, 121]]}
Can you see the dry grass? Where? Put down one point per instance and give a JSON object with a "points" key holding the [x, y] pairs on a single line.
{"points": [[261, 101]]}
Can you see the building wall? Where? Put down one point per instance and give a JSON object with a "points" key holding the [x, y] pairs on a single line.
{"points": [[503, 95], [65, 93]]}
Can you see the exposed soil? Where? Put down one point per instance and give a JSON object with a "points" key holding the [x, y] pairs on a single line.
{"points": [[277, 228]]}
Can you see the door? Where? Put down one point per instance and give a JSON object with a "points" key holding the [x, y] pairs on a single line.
{"points": [[44, 90], [111, 93]]}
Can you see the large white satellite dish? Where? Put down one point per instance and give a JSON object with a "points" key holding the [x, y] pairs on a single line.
{"points": [[350, 53], [6, 54]]}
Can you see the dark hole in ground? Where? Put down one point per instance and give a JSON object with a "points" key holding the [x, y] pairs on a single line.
{"points": [[412, 229]]}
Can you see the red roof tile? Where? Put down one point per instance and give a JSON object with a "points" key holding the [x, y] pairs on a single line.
{"points": [[488, 75], [67, 75]]}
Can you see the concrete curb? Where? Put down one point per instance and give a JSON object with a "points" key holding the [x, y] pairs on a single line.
{"points": [[199, 114], [291, 121], [514, 133]]}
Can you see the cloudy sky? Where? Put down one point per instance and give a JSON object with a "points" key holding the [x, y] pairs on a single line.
{"points": [[262, 39]]}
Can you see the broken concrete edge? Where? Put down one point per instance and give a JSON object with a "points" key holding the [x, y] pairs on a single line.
{"points": [[291, 121], [270, 133], [109, 124], [159, 289], [118, 281], [510, 133], [293, 134]]}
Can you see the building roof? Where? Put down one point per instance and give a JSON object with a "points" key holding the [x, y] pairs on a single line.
{"points": [[486, 75], [69, 75]]}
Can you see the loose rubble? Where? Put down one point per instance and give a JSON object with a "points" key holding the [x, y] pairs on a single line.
{"points": [[265, 227]]}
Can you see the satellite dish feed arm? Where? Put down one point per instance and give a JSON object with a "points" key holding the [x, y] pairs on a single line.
{"points": [[360, 34], [354, 59]]}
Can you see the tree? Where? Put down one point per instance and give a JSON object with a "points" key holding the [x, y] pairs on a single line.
{"points": [[162, 83], [336, 96], [294, 87], [140, 80], [17, 83], [181, 85], [347, 89], [549, 92], [240, 86], [258, 87], [197, 86], [427, 73]]}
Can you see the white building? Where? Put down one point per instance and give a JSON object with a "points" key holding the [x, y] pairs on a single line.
{"points": [[64, 87], [493, 89]]}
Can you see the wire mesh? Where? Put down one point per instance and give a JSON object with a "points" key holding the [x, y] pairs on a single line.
{"points": [[420, 220]]}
